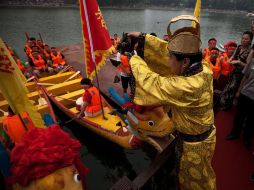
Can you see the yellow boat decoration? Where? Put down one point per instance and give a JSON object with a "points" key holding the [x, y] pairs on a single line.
{"points": [[36, 95]]}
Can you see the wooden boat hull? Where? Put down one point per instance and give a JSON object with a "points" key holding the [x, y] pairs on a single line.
{"points": [[63, 94], [123, 138]]}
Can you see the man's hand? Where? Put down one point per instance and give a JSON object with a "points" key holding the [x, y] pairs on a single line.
{"points": [[134, 34], [80, 115]]}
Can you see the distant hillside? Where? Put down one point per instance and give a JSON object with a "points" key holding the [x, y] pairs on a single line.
{"points": [[247, 5], [43, 3]]}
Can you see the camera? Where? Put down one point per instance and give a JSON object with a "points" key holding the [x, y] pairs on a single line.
{"points": [[127, 43]]}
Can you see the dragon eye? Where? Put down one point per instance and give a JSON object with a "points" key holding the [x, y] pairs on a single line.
{"points": [[77, 178], [151, 123]]}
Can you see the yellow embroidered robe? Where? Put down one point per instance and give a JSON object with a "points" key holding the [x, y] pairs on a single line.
{"points": [[190, 100]]}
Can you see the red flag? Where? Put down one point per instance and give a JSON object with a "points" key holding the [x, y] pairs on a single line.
{"points": [[96, 39]]}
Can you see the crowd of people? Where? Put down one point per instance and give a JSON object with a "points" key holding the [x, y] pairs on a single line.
{"points": [[40, 58], [232, 65], [232, 82]]}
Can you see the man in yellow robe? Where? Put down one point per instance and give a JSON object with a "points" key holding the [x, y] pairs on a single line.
{"points": [[173, 74]]}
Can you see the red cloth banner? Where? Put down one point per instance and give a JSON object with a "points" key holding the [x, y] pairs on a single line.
{"points": [[96, 39]]}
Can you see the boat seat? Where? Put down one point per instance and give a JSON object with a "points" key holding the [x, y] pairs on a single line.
{"points": [[4, 106], [58, 89], [73, 86], [74, 110], [70, 98], [54, 79], [110, 123]]}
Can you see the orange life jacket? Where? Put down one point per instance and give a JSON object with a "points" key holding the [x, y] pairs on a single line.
{"points": [[15, 126], [28, 50], [95, 105], [125, 64], [226, 68], [57, 60], [38, 63], [207, 53], [47, 55], [215, 68], [21, 67]]}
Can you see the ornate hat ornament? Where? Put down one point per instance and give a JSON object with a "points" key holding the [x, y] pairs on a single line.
{"points": [[185, 40]]}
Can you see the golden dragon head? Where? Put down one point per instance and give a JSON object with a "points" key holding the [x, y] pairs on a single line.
{"points": [[151, 126]]}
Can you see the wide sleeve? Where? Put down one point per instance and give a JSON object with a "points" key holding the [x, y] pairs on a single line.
{"points": [[153, 89], [156, 55]]}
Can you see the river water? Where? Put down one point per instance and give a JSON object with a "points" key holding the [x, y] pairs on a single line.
{"points": [[61, 26]]}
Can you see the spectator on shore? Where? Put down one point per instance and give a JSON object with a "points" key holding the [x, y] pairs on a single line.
{"points": [[116, 40], [245, 106], [124, 69], [239, 60], [226, 68], [215, 64], [211, 44]]}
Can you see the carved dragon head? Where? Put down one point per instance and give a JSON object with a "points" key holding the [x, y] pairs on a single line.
{"points": [[151, 125]]}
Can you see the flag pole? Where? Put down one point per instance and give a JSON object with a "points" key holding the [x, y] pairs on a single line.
{"points": [[93, 56]]}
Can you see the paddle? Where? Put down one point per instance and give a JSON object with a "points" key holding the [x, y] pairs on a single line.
{"points": [[63, 98], [64, 69], [63, 50], [46, 84], [52, 84], [76, 117], [221, 48], [72, 76], [63, 124], [27, 37], [41, 38], [29, 79]]}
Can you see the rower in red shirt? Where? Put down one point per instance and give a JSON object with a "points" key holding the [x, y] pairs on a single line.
{"points": [[90, 101]]}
